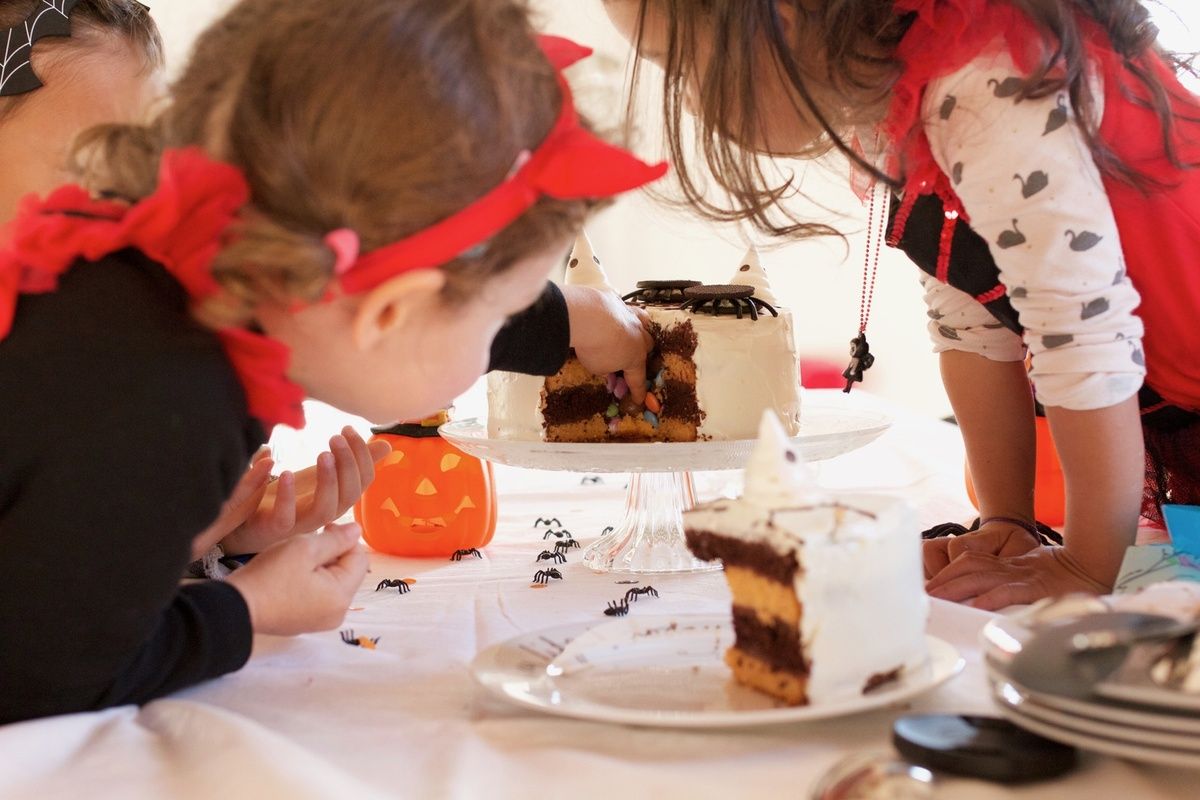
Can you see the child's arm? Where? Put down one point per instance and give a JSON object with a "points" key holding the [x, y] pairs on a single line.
{"points": [[606, 334]]}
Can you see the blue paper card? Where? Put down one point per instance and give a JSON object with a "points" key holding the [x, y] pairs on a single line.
{"points": [[1183, 523]]}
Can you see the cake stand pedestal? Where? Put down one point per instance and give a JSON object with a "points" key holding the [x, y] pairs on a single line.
{"points": [[650, 538]]}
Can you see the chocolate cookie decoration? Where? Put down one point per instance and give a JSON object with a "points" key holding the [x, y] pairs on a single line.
{"points": [[660, 293], [727, 299]]}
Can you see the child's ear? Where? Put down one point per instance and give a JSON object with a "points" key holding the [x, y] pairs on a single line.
{"points": [[393, 303]]}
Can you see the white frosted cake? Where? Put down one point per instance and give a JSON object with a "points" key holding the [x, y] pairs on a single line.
{"points": [[723, 355], [828, 591]]}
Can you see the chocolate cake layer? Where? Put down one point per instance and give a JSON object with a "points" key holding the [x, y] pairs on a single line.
{"points": [[756, 556], [679, 401], [679, 339], [575, 404], [777, 643]]}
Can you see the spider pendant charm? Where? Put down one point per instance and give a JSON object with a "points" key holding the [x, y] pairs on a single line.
{"points": [[861, 360], [399, 584], [546, 575], [459, 555], [557, 557]]}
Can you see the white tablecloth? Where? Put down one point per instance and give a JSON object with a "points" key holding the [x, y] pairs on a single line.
{"points": [[313, 718]]}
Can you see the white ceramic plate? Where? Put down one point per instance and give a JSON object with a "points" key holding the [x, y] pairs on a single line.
{"points": [[1144, 732], [825, 432], [1132, 716], [1004, 635], [1090, 738], [665, 672]]}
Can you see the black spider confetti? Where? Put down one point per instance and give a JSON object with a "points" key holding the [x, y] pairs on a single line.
{"points": [[459, 555], [562, 534], [546, 575], [549, 522], [633, 594], [617, 608], [399, 584], [565, 544], [557, 557], [359, 641]]}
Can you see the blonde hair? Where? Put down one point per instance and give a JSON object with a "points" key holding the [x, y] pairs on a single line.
{"points": [[384, 116]]}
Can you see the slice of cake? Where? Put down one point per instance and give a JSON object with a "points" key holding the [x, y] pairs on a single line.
{"points": [[828, 593], [722, 355]]}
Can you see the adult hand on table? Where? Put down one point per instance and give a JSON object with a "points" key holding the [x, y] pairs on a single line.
{"points": [[609, 336], [260, 513], [992, 582], [995, 537], [305, 583]]}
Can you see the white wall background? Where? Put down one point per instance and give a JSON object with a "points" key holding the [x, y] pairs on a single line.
{"points": [[819, 280]]}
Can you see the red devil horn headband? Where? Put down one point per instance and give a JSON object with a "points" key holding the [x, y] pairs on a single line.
{"points": [[571, 164]]}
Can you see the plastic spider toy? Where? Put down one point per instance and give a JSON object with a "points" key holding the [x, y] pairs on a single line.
{"points": [[359, 641], [549, 522], [633, 594], [716, 300], [557, 557], [565, 544], [399, 584], [591, 480], [546, 575], [607, 530], [617, 608], [560, 534], [459, 555]]}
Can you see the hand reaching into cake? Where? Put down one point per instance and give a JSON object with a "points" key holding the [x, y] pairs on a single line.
{"points": [[609, 336]]}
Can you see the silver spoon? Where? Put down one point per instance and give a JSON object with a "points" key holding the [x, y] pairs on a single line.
{"points": [[1070, 658]]}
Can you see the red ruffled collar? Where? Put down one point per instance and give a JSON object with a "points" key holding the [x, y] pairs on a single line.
{"points": [[181, 226]]}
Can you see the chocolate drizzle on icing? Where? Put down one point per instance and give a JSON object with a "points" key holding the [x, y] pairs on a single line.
{"points": [[660, 293], [732, 299]]}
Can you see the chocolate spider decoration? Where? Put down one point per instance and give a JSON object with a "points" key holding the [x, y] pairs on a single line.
{"points": [[617, 608], [591, 480], [557, 557], [633, 594], [717, 300], [563, 534], [398, 583], [659, 293], [549, 522], [546, 575], [459, 555], [861, 360], [359, 641], [565, 544]]}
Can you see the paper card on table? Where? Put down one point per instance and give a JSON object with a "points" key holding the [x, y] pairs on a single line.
{"points": [[1155, 563], [1183, 523]]}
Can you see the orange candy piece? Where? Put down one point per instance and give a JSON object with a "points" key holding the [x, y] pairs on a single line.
{"points": [[652, 403]]}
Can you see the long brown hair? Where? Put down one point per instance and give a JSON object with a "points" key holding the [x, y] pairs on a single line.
{"points": [[383, 116], [851, 86], [127, 20]]}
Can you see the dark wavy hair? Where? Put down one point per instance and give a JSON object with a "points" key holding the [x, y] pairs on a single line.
{"points": [[852, 86]]}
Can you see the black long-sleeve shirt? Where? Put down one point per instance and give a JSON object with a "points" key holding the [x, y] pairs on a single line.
{"points": [[123, 428]]}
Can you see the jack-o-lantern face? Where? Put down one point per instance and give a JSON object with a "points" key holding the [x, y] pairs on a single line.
{"points": [[428, 499]]}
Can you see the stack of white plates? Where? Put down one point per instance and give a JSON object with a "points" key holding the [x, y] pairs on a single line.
{"points": [[1128, 715]]}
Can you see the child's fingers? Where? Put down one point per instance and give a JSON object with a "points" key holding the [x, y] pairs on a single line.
{"points": [[323, 501], [379, 448], [1005, 595], [935, 554], [263, 452], [283, 513], [349, 568], [966, 564], [348, 482], [330, 545], [364, 456]]}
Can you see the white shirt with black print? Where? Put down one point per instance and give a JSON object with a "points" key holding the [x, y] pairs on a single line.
{"points": [[1032, 190]]}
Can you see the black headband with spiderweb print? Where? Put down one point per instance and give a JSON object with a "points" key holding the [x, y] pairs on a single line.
{"points": [[48, 18]]}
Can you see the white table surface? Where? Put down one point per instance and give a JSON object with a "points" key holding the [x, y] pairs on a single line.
{"points": [[310, 717]]}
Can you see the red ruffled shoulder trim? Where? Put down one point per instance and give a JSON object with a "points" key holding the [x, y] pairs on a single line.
{"points": [[181, 226]]}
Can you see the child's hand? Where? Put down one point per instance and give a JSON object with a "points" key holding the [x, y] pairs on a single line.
{"points": [[240, 506], [991, 582], [609, 336], [305, 583], [308, 500], [994, 538]]}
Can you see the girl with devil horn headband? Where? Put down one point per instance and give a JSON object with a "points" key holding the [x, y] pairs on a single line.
{"points": [[343, 201]]}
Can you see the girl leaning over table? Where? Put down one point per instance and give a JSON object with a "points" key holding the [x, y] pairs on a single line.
{"points": [[341, 201], [1043, 155]]}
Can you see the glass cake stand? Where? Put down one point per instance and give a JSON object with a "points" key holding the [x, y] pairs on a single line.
{"points": [[650, 537]]}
